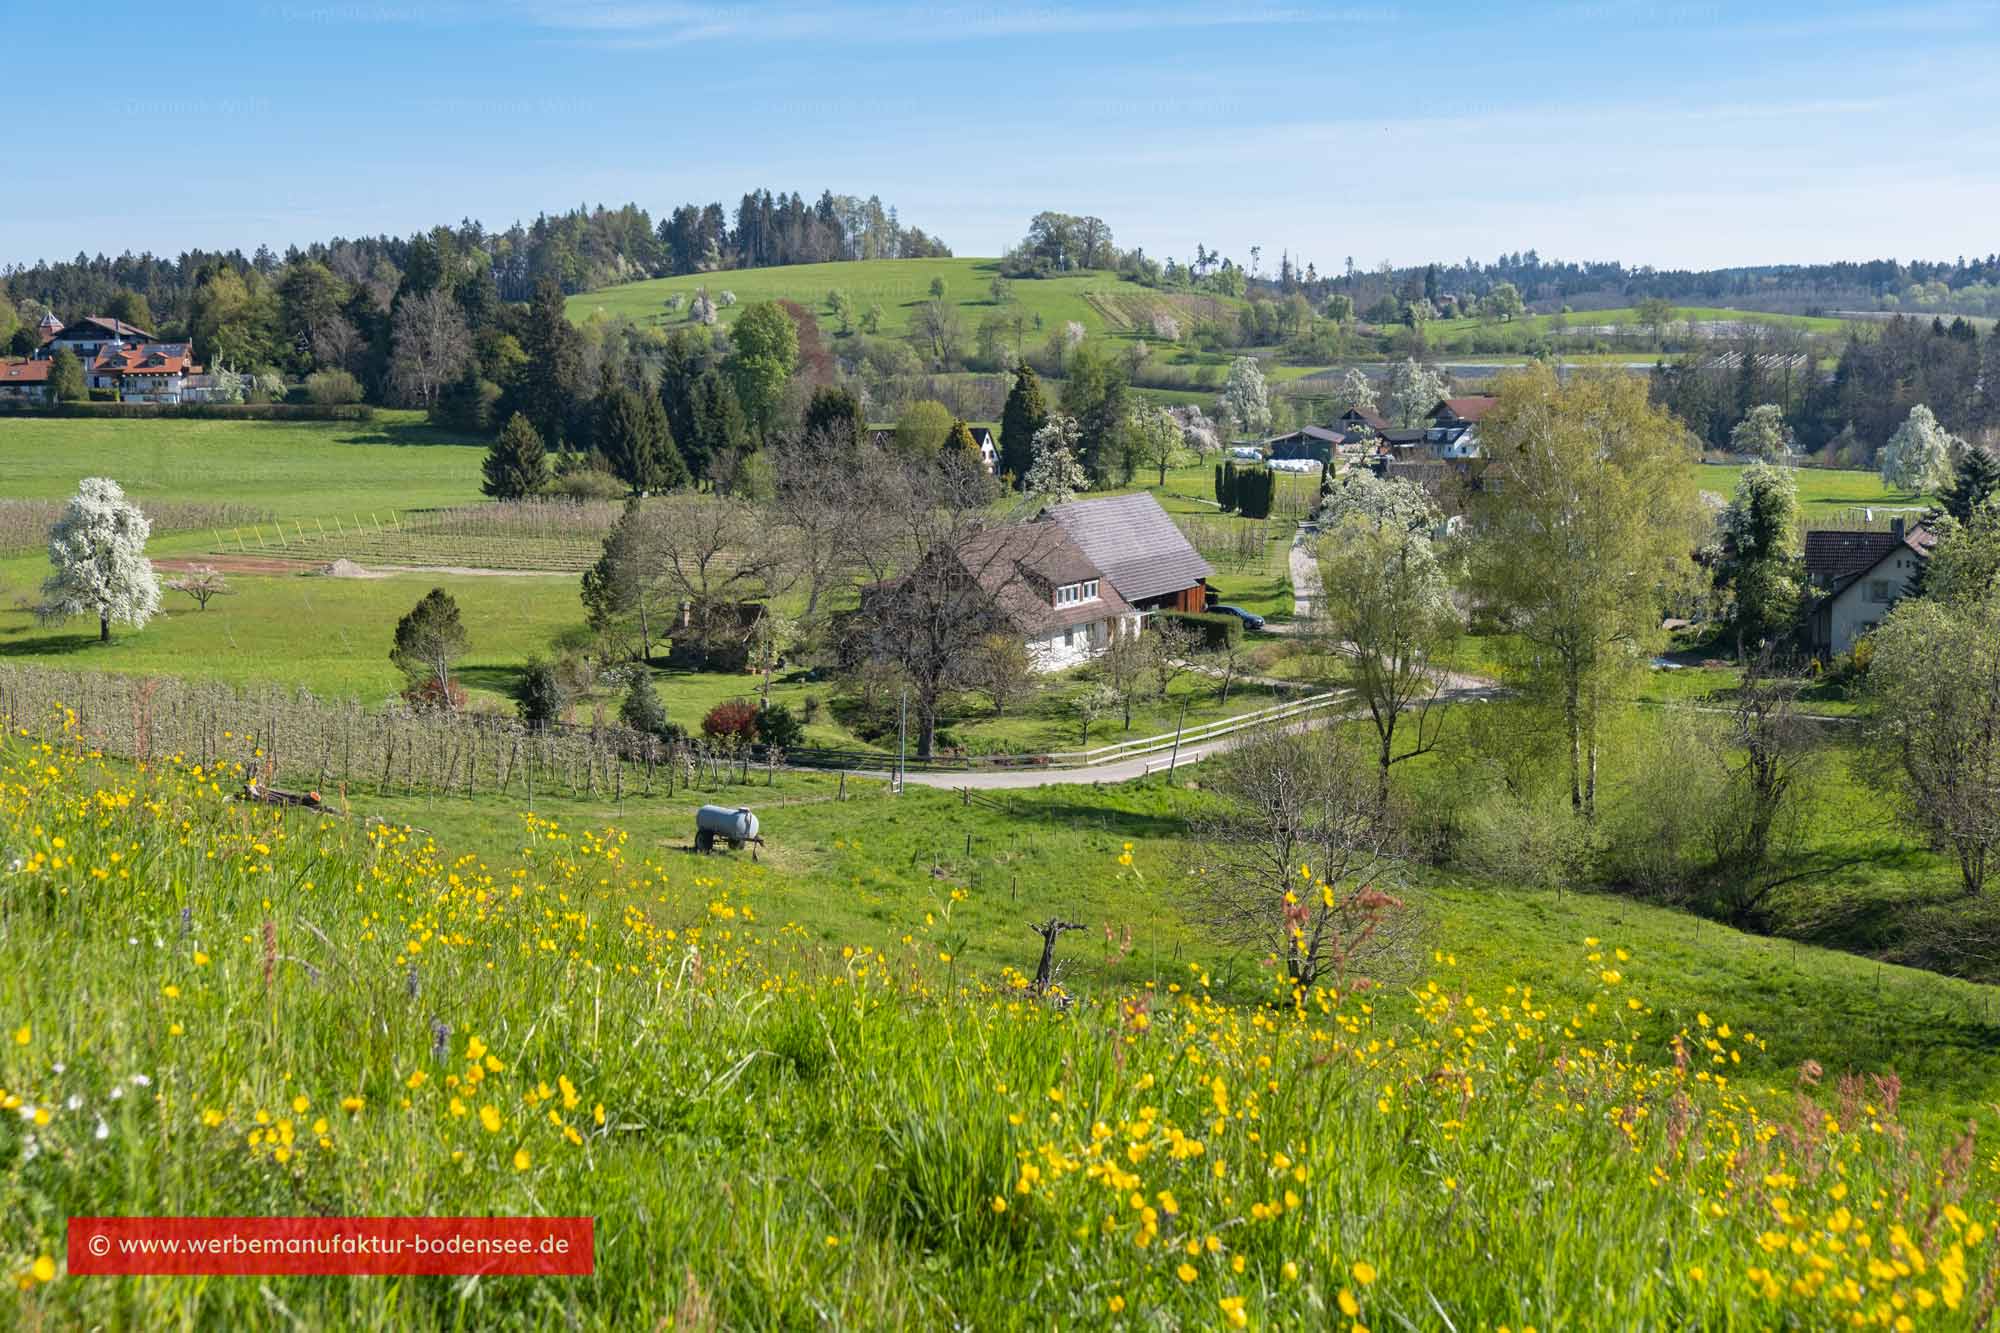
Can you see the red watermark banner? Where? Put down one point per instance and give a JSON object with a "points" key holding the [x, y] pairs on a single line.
{"points": [[357, 1246]]}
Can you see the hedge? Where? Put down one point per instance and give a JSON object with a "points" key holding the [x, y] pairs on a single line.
{"points": [[225, 411], [1215, 631]]}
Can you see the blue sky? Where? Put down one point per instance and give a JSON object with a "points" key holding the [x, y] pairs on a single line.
{"points": [[1680, 134]]}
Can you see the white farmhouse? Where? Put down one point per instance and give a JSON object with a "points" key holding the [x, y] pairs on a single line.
{"points": [[1859, 577]]}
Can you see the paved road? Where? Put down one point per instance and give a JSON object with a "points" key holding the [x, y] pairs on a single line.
{"points": [[1305, 581]]}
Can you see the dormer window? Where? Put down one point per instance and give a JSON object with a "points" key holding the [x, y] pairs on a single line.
{"points": [[1069, 594]]}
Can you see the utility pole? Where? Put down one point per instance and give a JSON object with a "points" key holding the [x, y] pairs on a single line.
{"points": [[902, 742]]}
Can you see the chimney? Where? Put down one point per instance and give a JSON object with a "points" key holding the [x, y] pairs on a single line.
{"points": [[1896, 528]]}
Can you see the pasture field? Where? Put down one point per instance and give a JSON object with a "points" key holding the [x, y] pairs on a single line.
{"points": [[1100, 300], [1824, 493], [290, 469], [1566, 1112]]}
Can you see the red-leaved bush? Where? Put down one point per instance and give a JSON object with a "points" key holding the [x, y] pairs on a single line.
{"points": [[732, 719]]}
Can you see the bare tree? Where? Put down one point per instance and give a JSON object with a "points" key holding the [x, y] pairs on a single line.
{"points": [[1293, 863], [1759, 825], [938, 592], [201, 582], [1174, 644], [430, 346], [1001, 670], [1123, 665], [938, 326], [336, 344], [812, 501], [712, 552], [1224, 662]]}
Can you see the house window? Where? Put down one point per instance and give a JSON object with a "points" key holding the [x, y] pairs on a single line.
{"points": [[1069, 636], [1878, 590]]}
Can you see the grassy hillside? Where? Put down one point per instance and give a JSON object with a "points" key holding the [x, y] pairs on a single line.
{"points": [[1101, 301], [846, 1108]]}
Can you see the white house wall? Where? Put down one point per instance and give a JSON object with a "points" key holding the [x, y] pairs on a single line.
{"points": [[1860, 606]]}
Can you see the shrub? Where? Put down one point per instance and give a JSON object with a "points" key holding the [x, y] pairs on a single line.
{"points": [[428, 696], [777, 725], [584, 484], [641, 709], [1211, 631], [540, 697], [732, 719], [330, 387]]}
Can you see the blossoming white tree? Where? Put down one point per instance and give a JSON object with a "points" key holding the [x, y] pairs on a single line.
{"points": [[1056, 476], [1197, 431], [1763, 434], [1356, 390], [1918, 457], [1244, 404], [98, 549], [1414, 389]]}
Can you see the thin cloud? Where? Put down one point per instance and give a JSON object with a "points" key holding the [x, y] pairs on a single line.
{"points": [[657, 25]]}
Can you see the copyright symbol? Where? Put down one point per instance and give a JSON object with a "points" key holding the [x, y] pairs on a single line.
{"points": [[100, 1245]]}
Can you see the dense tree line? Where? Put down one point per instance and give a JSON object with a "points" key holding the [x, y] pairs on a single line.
{"points": [[579, 249], [1553, 283], [1883, 371]]}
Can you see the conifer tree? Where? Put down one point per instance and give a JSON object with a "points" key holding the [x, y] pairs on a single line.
{"points": [[1026, 412], [516, 465]]}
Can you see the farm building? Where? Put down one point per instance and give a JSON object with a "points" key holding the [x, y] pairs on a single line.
{"points": [[144, 373], [25, 381], [1316, 443], [1462, 411], [1860, 576], [1146, 558], [1035, 582], [90, 336]]}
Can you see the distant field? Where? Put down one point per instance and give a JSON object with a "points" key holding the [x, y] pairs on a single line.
{"points": [[1101, 301], [1824, 493], [1447, 334], [290, 469]]}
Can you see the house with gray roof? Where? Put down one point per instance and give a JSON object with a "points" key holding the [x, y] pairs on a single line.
{"points": [[1144, 556], [1028, 580]]}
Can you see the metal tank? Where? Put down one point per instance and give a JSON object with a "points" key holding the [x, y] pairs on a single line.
{"points": [[735, 826]]}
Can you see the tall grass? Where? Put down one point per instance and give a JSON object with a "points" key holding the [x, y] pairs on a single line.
{"points": [[215, 1008]]}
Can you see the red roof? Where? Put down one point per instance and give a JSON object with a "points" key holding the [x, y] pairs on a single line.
{"points": [[1834, 555], [1468, 409], [145, 361], [26, 372]]}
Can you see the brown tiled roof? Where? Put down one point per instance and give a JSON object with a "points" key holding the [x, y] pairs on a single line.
{"points": [[165, 359], [1020, 565], [1134, 542], [108, 327], [1835, 558], [1374, 420], [26, 372], [1467, 409]]}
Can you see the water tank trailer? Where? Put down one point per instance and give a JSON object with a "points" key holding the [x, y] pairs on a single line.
{"points": [[735, 826]]}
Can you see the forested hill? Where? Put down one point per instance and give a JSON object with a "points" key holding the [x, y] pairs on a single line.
{"points": [[585, 248], [1954, 286]]}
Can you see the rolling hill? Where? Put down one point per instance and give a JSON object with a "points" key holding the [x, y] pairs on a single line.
{"points": [[1100, 300]]}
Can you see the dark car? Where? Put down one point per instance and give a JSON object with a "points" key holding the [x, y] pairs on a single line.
{"points": [[1250, 619]]}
